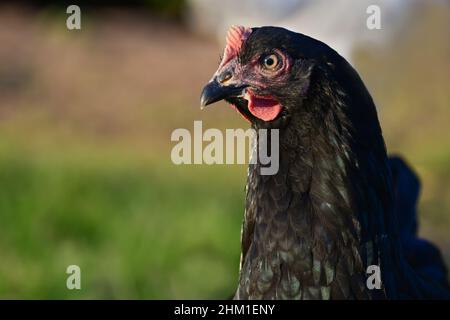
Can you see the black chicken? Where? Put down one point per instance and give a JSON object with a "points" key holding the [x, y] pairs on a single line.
{"points": [[337, 204]]}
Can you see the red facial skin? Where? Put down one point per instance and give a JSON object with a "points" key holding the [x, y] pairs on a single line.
{"points": [[261, 105]]}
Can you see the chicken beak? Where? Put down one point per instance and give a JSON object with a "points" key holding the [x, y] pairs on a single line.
{"points": [[214, 92]]}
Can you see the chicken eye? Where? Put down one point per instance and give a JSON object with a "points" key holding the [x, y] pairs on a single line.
{"points": [[271, 61]]}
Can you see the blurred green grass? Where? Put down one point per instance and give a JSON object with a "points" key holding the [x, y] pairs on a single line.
{"points": [[136, 230]]}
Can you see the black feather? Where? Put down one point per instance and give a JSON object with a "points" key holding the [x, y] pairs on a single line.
{"points": [[311, 230]]}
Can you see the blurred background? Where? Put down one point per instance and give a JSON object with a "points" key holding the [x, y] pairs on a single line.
{"points": [[86, 118]]}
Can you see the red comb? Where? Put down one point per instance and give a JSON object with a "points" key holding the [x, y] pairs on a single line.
{"points": [[235, 38]]}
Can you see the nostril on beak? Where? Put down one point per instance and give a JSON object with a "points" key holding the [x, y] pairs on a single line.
{"points": [[224, 77]]}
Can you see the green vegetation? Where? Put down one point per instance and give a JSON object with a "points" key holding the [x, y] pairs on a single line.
{"points": [[136, 231]]}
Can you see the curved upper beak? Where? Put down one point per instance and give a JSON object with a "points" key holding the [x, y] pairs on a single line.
{"points": [[214, 91]]}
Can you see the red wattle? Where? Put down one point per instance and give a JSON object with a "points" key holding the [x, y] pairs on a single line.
{"points": [[264, 108]]}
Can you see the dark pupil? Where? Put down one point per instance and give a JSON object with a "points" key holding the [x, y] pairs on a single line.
{"points": [[270, 62]]}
